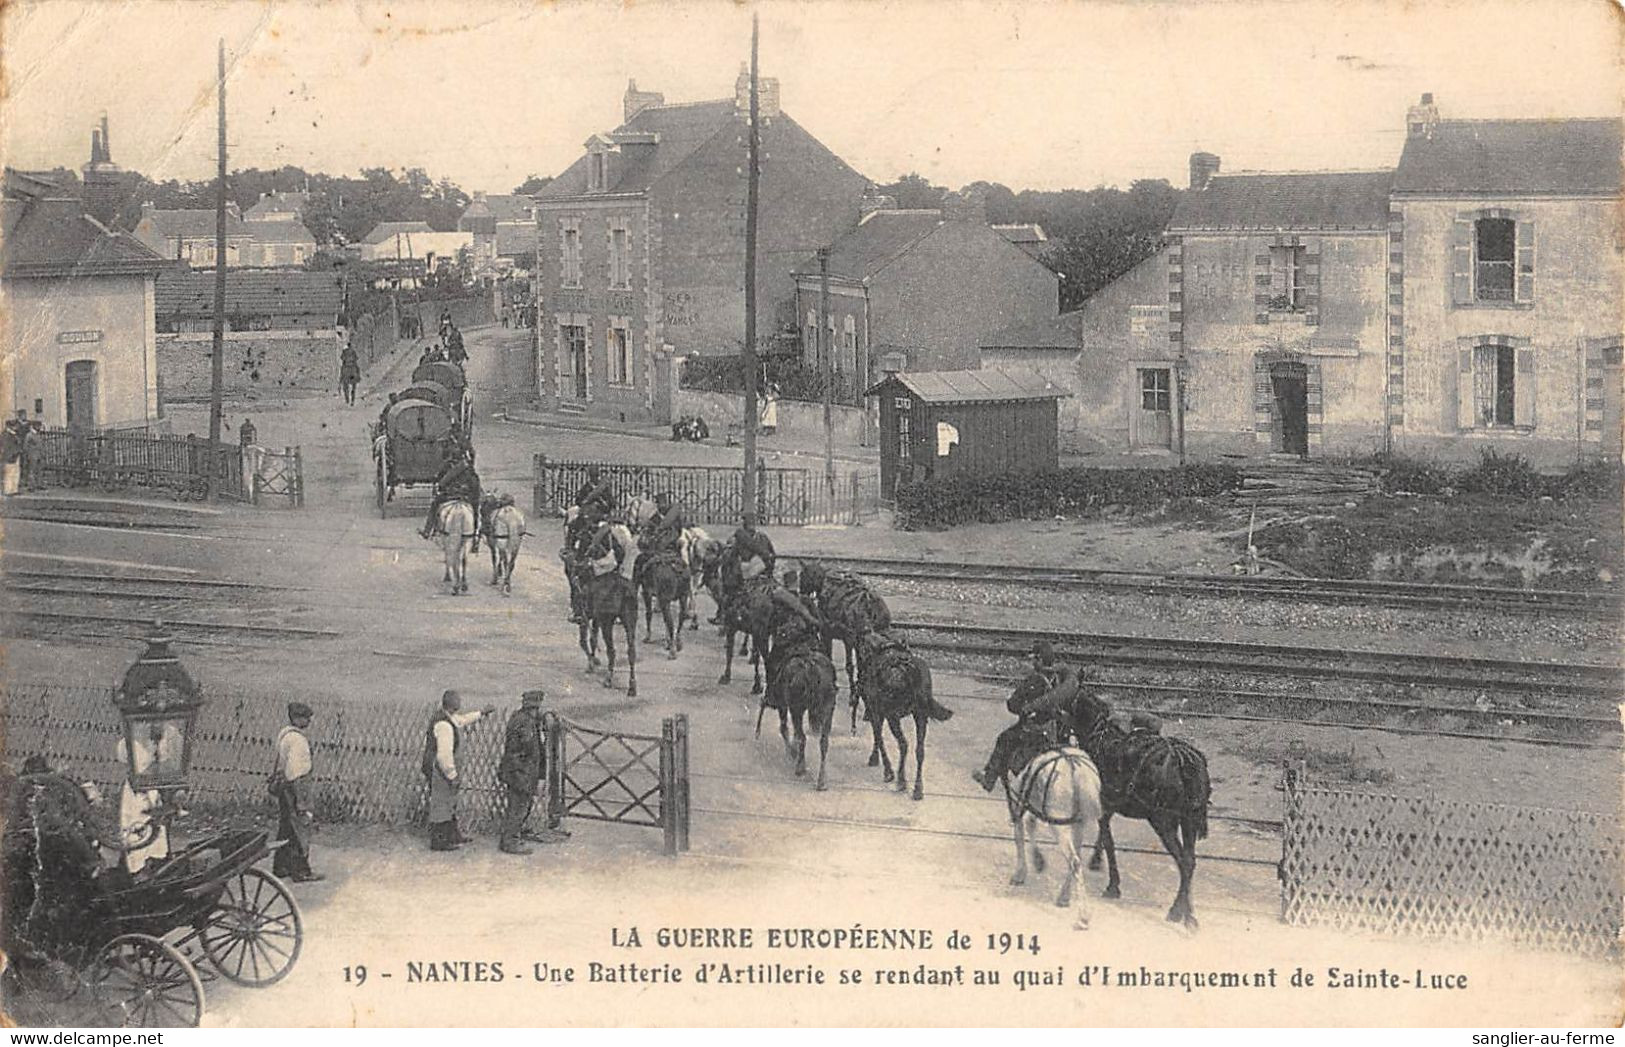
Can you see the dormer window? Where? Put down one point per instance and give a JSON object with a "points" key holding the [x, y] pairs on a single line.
{"points": [[597, 168]]}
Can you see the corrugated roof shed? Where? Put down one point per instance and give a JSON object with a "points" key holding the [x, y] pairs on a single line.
{"points": [[984, 386], [55, 238], [1317, 200], [1511, 156], [681, 130], [249, 292]]}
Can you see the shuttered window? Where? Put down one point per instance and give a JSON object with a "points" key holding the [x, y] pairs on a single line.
{"points": [[1286, 279], [1496, 386], [1495, 250], [1492, 258]]}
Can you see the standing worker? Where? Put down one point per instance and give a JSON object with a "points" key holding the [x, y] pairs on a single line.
{"points": [[524, 761], [445, 737], [290, 784]]}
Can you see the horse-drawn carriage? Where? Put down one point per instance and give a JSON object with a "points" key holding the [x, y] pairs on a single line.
{"points": [[411, 446], [84, 944], [450, 378]]}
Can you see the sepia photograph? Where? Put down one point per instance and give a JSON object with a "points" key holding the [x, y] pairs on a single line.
{"points": [[812, 513]]}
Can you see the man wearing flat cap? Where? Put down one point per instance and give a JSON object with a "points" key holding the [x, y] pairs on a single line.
{"points": [[445, 737], [524, 759], [290, 784]]}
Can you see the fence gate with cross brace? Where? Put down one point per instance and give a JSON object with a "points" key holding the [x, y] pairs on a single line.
{"points": [[612, 776], [275, 475]]}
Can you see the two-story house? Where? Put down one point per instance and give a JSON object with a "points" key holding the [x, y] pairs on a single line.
{"points": [[641, 245], [1505, 281], [918, 290], [503, 228], [188, 235]]}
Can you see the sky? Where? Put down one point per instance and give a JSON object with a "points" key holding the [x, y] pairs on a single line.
{"points": [[1041, 94]]}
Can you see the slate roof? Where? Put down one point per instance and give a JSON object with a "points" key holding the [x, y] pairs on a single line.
{"points": [[279, 231], [1024, 233], [984, 386], [1315, 200], [190, 223], [387, 230], [55, 238], [249, 292], [880, 238], [277, 204], [509, 208], [1057, 332], [514, 238], [1513, 156], [682, 130]]}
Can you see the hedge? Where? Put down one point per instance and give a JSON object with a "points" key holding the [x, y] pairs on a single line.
{"points": [[1078, 492], [1505, 476]]}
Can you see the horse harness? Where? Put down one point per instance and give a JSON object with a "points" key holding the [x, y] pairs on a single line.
{"points": [[1035, 768]]}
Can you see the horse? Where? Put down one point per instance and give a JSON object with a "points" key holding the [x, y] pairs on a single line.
{"points": [[703, 551], [601, 600], [664, 581], [803, 686], [895, 682], [1160, 780], [852, 610], [458, 532], [744, 608], [502, 524], [1059, 786], [640, 512]]}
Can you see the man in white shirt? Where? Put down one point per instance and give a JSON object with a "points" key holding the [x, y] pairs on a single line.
{"points": [[444, 738], [290, 784]]}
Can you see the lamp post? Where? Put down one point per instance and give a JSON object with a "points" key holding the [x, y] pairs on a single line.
{"points": [[158, 703]]}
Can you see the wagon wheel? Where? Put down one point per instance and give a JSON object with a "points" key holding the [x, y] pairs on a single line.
{"points": [[148, 981], [254, 932], [380, 489]]}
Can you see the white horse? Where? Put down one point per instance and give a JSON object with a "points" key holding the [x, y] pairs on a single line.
{"points": [[506, 534], [459, 531], [697, 548], [1060, 787]]}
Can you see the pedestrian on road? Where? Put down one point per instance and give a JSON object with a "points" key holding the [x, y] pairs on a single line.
{"points": [[349, 374], [524, 761], [445, 737], [11, 455], [290, 784], [33, 475]]}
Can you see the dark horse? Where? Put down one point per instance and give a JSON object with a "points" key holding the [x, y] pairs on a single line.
{"points": [[1144, 775], [895, 682], [601, 600], [852, 610], [745, 607], [664, 581], [802, 684]]}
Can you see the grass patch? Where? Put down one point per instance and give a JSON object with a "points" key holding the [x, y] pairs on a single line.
{"points": [[1354, 765]]}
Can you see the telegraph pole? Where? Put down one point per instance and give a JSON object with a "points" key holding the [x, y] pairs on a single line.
{"points": [[752, 179], [826, 362], [217, 368]]}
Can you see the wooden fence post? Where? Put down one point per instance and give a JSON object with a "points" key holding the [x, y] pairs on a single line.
{"points": [[682, 782], [538, 495], [555, 769], [298, 478], [668, 784]]}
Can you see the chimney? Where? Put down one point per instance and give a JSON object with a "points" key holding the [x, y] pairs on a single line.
{"points": [[107, 141], [1203, 167], [1421, 120], [874, 200], [767, 93], [967, 205], [635, 101]]}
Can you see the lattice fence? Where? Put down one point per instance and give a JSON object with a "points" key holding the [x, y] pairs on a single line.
{"points": [[367, 755], [713, 494], [275, 477], [1422, 865]]}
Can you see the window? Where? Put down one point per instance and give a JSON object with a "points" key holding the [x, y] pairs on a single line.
{"points": [[1286, 279], [902, 436], [570, 244], [1494, 386], [835, 358], [1495, 245], [1154, 389], [620, 364], [849, 341], [812, 352], [620, 261]]}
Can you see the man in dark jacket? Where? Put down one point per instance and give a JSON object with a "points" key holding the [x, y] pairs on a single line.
{"points": [[457, 480], [753, 548], [524, 759], [1038, 702]]}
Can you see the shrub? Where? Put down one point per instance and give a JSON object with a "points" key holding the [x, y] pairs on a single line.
{"points": [[1415, 475], [1506, 475], [1077, 492]]}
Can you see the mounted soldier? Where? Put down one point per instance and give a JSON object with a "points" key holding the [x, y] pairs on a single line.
{"points": [[663, 535], [454, 346], [1042, 704], [457, 480], [753, 548], [613, 548]]}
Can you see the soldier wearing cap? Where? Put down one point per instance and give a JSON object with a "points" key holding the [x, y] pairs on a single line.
{"points": [[1039, 701], [290, 784], [524, 759]]}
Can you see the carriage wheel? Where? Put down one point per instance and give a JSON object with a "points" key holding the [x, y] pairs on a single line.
{"points": [[253, 934], [148, 981], [380, 490]]}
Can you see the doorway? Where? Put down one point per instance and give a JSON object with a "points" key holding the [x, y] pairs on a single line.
{"points": [[1290, 384], [1153, 423], [80, 383], [575, 346]]}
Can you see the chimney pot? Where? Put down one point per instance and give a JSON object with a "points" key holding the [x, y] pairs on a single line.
{"points": [[1203, 167], [1427, 97], [1421, 120]]}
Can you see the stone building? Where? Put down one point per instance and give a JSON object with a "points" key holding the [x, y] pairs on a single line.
{"points": [[188, 235], [503, 228], [1505, 283], [641, 246]]}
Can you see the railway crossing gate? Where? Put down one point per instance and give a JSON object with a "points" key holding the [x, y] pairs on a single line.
{"points": [[627, 779], [275, 476]]}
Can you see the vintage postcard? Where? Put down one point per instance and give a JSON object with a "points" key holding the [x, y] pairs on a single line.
{"points": [[821, 513]]}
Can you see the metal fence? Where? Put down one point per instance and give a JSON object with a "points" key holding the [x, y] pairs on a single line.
{"points": [[179, 465], [1421, 865], [367, 757], [713, 494]]}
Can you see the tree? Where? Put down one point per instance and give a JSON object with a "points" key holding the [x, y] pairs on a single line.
{"points": [[532, 185], [914, 192]]}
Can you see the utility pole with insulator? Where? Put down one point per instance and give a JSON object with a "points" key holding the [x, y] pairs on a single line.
{"points": [[826, 362], [217, 362], [752, 178]]}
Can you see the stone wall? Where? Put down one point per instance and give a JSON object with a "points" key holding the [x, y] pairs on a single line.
{"points": [[796, 417], [258, 364]]}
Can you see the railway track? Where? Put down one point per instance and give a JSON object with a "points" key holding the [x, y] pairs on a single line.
{"points": [[1484, 675], [1604, 605]]}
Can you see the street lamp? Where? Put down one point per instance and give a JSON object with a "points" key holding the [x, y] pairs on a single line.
{"points": [[158, 703]]}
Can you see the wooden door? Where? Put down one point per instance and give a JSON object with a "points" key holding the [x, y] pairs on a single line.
{"points": [[1290, 383], [80, 382], [1154, 426]]}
